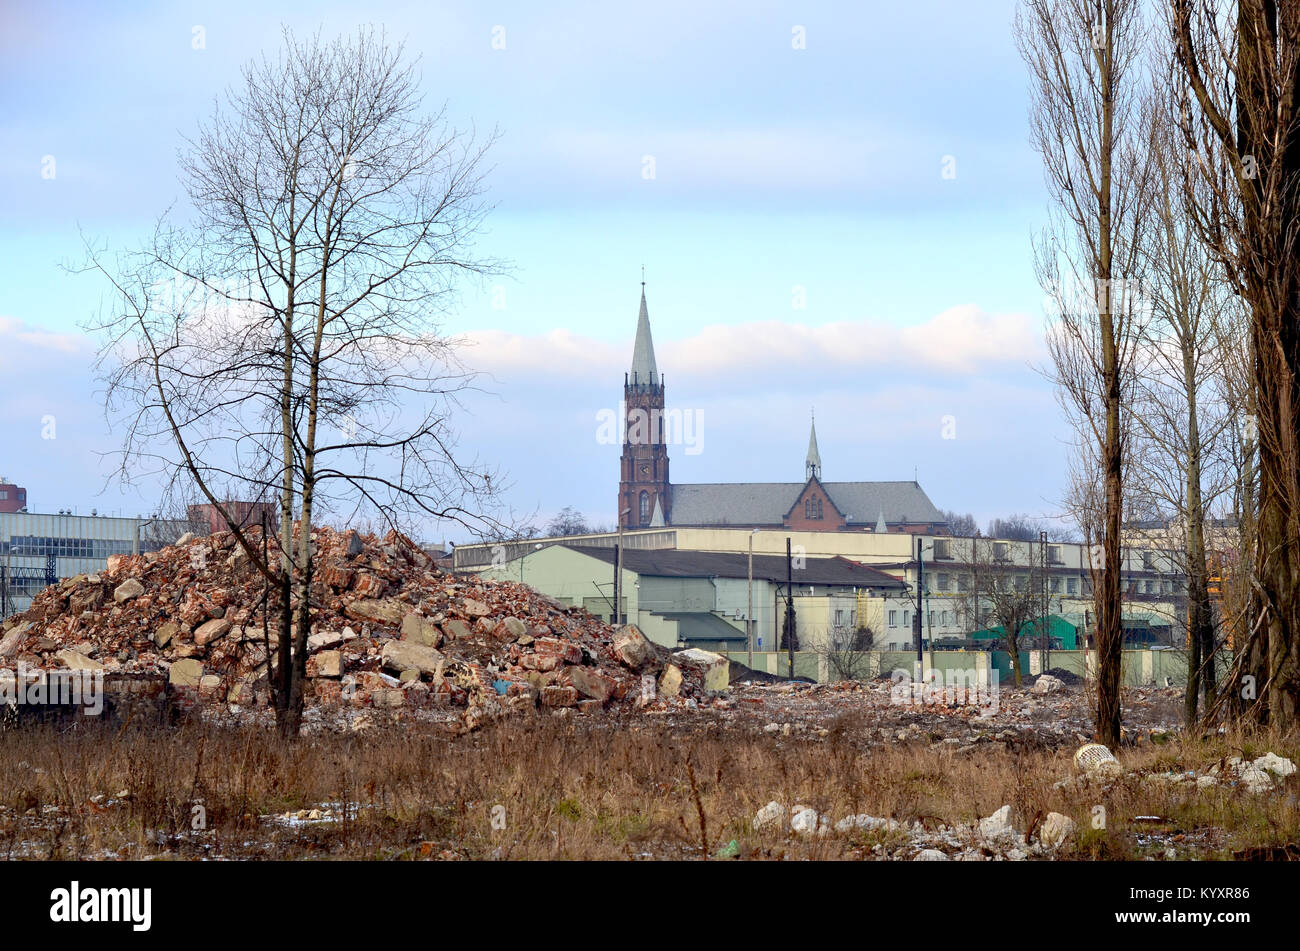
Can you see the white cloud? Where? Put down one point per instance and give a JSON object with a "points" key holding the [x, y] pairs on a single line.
{"points": [[19, 339], [960, 343]]}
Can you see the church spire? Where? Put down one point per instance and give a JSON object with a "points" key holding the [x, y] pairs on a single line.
{"points": [[643, 351], [813, 464]]}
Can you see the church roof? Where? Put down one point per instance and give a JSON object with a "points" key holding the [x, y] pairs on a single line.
{"points": [[765, 503], [643, 350]]}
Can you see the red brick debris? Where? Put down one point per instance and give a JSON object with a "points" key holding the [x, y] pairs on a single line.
{"points": [[389, 630]]}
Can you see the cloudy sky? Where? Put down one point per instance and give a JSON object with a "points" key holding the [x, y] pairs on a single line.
{"points": [[803, 246]]}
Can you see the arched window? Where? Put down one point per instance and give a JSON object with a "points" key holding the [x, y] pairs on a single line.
{"points": [[812, 507], [645, 508]]}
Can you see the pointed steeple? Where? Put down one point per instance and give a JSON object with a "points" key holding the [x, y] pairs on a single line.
{"points": [[880, 523], [657, 519], [643, 351], [813, 464]]}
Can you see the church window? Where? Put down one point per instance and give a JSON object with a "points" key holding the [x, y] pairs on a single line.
{"points": [[645, 508], [812, 507]]}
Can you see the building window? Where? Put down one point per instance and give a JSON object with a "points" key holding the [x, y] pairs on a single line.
{"points": [[943, 583], [1000, 551], [1054, 585], [4, 493], [645, 508], [1054, 554], [893, 619], [1071, 585], [942, 548], [907, 618], [963, 583], [1148, 561], [1148, 588], [812, 507], [839, 617]]}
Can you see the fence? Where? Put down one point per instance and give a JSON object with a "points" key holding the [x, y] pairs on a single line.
{"points": [[1137, 667]]}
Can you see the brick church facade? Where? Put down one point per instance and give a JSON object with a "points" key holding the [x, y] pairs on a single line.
{"points": [[647, 498]]}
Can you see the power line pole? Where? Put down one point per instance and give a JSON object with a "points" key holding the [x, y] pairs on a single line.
{"points": [[916, 621], [749, 616], [789, 610]]}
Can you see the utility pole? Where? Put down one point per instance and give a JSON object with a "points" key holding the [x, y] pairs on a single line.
{"points": [[1045, 630], [618, 570], [749, 616], [789, 609], [916, 621]]}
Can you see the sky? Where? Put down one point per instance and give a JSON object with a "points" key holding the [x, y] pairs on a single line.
{"points": [[834, 205]]}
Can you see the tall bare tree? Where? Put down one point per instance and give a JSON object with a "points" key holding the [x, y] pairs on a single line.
{"points": [[1085, 121], [1239, 72], [302, 359], [1182, 427]]}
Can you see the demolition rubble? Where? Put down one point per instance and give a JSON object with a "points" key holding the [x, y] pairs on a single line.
{"points": [[390, 632]]}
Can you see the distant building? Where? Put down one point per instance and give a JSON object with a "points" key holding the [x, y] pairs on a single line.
{"points": [[13, 498], [648, 499], [37, 549], [245, 514], [702, 599]]}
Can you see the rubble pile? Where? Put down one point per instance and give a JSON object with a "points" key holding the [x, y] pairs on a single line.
{"points": [[389, 630]]}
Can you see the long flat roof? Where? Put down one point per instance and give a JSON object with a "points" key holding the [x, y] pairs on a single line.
{"points": [[676, 563]]}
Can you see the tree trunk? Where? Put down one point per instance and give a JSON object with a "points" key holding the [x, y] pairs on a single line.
{"points": [[1200, 621], [1110, 630]]}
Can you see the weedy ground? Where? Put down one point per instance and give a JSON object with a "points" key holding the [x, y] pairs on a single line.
{"points": [[597, 788]]}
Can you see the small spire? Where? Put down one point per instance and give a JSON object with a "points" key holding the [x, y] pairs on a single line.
{"points": [[880, 523], [813, 464]]}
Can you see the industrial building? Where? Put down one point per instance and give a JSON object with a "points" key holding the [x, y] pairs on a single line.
{"points": [[37, 550]]}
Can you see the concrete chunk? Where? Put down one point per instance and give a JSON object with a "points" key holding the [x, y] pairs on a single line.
{"points": [[78, 661], [185, 673], [403, 655], [128, 589]]}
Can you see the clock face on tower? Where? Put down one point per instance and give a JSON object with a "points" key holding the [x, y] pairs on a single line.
{"points": [[645, 470]]}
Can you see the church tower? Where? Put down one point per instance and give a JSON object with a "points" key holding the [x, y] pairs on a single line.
{"points": [[643, 492]]}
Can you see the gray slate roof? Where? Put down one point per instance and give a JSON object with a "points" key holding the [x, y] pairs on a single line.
{"points": [[766, 503], [678, 563]]}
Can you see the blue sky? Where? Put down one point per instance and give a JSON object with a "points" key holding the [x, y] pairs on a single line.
{"points": [[775, 169]]}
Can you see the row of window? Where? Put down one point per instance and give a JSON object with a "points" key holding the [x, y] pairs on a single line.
{"points": [[935, 618], [34, 546], [1002, 552], [944, 584]]}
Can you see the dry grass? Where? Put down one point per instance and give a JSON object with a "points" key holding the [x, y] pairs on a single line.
{"points": [[583, 789]]}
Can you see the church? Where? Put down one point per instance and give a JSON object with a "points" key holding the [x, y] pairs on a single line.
{"points": [[647, 498]]}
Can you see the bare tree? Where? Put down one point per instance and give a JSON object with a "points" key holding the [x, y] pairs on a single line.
{"points": [[1238, 71], [847, 650], [300, 357], [1000, 585], [1083, 58], [1179, 458], [567, 521], [960, 525]]}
